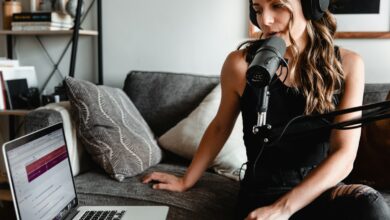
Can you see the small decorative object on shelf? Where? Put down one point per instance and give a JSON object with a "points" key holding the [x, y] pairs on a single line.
{"points": [[9, 8]]}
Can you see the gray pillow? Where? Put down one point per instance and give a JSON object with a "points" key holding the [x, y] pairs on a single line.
{"points": [[111, 129]]}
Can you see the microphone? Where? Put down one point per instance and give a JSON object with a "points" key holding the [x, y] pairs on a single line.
{"points": [[266, 62], [263, 67]]}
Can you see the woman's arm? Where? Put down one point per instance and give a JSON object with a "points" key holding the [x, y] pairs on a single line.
{"points": [[343, 148], [218, 131]]}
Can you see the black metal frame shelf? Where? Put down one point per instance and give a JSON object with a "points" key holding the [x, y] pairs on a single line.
{"points": [[75, 32]]}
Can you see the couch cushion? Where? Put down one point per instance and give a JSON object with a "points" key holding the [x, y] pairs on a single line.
{"points": [[386, 195], [375, 92], [213, 196], [111, 129], [163, 99]]}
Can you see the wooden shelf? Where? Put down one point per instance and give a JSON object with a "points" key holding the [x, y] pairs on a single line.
{"points": [[61, 32], [363, 35], [5, 195], [16, 112]]}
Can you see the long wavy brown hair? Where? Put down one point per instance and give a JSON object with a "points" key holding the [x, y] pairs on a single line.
{"points": [[315, 70]]}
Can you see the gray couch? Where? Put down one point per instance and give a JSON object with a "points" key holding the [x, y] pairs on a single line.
{"points": [[164, 99]]}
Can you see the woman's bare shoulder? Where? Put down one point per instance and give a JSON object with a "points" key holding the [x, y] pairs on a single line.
{"points": [[352, 62], [234, 71]]}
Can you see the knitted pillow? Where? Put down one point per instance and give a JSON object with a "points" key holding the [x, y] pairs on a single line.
{"points": [[111, 129]]}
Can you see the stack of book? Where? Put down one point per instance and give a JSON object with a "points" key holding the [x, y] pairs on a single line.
{"points": [[41, 21]]}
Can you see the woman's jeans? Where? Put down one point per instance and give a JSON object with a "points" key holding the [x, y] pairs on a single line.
{"points": [[353, 202]]}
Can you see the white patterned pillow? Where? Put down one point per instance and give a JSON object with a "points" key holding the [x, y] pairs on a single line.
{"points": [[184, 138], [112, 130]]}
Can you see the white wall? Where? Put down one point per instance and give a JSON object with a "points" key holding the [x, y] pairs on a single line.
{"points": [[376, 56], [194, 37], [173, 35]]}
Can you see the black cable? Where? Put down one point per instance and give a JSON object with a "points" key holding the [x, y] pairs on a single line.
{"points": [[257, 159], [344, 125]]}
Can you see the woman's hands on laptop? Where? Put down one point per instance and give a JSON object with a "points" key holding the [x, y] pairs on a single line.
{"points": [[165, 181]]}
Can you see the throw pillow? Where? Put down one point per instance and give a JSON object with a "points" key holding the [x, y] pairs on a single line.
{"points": [[184, 138], [112, 130], [372, 161]]}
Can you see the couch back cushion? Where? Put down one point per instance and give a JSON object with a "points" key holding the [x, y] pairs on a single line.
{"points": [[375, 92], [164, 98]]}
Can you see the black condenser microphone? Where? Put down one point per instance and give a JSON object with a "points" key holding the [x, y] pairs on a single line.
{"points": [[266, 62]]}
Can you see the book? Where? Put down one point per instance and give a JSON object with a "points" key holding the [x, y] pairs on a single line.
{"points": [[42, 16], [9, 63], [21, 72], [41, 23], [40, 28], [15, 89], [3, 105]]}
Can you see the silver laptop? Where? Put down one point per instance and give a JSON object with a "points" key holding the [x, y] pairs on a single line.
{"points": [[42, 186]]}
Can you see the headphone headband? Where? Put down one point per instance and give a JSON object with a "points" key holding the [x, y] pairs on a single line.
{"points": [[312, 9]]}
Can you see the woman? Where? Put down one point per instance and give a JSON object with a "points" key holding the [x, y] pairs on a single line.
{"points": [[298, 179]]}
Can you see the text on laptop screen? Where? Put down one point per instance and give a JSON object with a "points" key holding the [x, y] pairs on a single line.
{"points": [[41, 175]]}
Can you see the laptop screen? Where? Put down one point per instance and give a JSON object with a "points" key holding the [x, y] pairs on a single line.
{"points": [[41, 176]]}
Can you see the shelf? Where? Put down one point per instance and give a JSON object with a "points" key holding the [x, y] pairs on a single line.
{"points": [[363, 35], [5, 195], [61, 32], [16, 112]]}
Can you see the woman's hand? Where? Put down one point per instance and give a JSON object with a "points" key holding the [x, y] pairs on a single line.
{"points": [[166, 182], [268, 213]]}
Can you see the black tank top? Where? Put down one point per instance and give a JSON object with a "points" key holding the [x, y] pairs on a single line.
{"points": [[285, 103]]}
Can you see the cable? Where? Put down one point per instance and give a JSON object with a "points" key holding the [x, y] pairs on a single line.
{"points": [[257, 159], [344, 125]]}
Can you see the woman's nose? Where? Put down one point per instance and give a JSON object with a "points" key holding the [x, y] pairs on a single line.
{"points": [[267, 18]]}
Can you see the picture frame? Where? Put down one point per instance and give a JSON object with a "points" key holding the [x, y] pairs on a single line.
{"points": [[357, 22]]}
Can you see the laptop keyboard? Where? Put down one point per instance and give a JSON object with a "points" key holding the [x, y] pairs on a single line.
{"points": [[103, 215]]}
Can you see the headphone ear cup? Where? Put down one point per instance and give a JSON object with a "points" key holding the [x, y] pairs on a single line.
{"points": [[314, 9], [252, 14]]}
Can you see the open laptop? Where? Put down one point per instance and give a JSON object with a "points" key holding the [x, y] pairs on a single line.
{"points": [[42, 186]]}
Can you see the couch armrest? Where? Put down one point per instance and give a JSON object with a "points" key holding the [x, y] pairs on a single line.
{"points": [[60, 112]]}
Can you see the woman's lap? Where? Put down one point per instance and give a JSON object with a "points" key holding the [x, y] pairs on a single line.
{"points": [[340, 202]]}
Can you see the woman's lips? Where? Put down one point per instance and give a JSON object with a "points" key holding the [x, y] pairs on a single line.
{"points": [[272, 34]]}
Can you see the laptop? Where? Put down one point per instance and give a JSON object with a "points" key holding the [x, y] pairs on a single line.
{"points": [[42, 186]]}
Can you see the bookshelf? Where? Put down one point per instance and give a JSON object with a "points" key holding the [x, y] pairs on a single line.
{"points": [[61, 32], [73, 33]]}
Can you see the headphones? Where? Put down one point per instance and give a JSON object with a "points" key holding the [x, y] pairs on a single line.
{"points": [[312, 9]]}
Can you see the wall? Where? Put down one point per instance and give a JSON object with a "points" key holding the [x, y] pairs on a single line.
{"points": [[171, 35], [194, 37], [376, 56]]}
